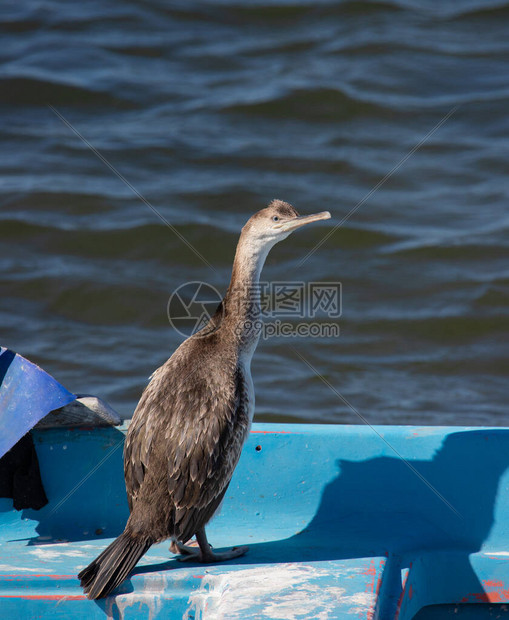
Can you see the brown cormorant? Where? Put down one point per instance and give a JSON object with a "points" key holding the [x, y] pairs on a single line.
{"points": [[187, 432]]}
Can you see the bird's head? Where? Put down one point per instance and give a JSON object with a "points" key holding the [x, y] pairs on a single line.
{"points": [[274, 223]]}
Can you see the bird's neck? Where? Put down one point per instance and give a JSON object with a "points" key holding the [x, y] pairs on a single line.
{"points": [[241, 305]]}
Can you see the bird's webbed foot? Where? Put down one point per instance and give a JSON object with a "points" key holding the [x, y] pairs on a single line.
{"points": [[204, 553], [211, 557]]}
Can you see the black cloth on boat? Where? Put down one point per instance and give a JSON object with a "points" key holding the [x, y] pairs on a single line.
{"points": [[20, 477]]}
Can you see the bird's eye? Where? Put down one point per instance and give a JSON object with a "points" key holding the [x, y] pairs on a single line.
{"points": [[275, 218]]}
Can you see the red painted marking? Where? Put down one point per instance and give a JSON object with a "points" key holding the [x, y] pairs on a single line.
{"points": [[482, 597], [405, 579], [370, 585], [380, 575], [400, 599], [490, 583], [398, 606], [410, 592], [403, 591], [46, 597], [25, 575], [370, 572], [199, 576], [494, 596]]}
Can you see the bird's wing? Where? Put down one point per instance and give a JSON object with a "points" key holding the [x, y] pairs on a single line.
{"points": [[187, 432], [154, 411], [136, 456], [202, 460]]}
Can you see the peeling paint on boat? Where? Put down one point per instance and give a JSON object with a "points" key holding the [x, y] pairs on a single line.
{"points": [[147, 560], [11, 567], [284, 591], [146, 602], [56, 552]]}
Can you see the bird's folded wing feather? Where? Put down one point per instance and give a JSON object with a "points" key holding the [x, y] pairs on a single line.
{"points": [[199, 430]]}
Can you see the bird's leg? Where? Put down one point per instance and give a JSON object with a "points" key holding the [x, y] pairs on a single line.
{"points": [[208, 556], [204, 553], [179, 548]]}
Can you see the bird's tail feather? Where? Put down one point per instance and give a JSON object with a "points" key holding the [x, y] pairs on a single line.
{"points": [[110, 568]]}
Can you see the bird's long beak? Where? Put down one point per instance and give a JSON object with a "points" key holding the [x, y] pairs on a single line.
{"points": [[302, 220]]}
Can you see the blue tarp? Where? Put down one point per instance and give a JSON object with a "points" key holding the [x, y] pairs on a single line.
{"points": [[27, 394]]}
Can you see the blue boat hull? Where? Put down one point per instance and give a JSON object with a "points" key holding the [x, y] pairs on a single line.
{"points": [[342, 522]]}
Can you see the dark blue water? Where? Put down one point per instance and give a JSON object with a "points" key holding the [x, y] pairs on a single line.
{"points": [[211, 109]]}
